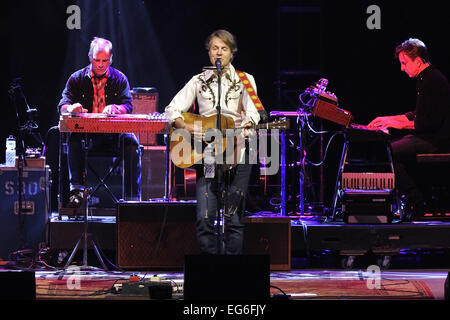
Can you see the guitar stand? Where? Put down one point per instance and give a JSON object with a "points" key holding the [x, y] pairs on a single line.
{"points": [[85, 235]]}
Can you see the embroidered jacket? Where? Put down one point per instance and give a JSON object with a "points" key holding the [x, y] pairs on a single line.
{"points": [[235, 101]]}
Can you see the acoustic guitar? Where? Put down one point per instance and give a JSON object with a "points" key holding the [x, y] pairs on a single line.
{"points": [[187, 151]]}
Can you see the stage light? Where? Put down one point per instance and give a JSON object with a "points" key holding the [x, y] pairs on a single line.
{"points": [[136, 45]]}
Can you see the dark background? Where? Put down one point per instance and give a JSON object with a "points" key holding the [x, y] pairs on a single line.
{"points": [[286, 45]]}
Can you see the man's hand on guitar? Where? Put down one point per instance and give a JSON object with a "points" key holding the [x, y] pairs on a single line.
{"points": [[248, 129]]}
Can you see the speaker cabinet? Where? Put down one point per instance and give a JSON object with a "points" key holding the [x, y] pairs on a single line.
{"points": [[153, 172], [145, 101], [271, 236], [226, 277], [17, 285], [155, 234]]}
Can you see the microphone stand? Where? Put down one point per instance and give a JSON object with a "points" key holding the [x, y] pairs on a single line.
{"points": [[219, 167], [20, 147]]}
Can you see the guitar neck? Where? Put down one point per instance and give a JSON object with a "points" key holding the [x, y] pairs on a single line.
{"points": [[228, 123]]}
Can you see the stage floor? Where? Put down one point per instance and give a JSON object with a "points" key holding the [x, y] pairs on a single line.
{"points": [[328, 261], [297, 284]]}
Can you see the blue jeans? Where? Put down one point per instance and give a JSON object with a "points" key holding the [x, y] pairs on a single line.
{"points": [[236, 181]]}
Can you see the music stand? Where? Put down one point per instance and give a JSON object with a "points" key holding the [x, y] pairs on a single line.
{"points": [[85, 235]]}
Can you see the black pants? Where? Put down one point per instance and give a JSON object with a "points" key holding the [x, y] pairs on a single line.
{"points": [[106, 143], [207, 200], [404, 151]]}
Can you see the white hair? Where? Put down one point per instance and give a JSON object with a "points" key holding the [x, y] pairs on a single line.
{"points": [[100, 45]]}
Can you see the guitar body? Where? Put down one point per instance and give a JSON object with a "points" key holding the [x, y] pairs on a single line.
{"points": [[208, 122], [187, 152]]}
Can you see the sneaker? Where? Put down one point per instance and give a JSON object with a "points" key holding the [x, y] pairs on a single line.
{"points": [[76, 199]]}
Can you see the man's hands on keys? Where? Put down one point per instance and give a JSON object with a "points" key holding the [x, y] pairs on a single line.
{"points": [[381, 123], [396, 122], [76, 108], [113, 109]]}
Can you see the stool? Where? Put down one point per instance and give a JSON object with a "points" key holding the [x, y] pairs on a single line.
{"points": [[434, 182]]}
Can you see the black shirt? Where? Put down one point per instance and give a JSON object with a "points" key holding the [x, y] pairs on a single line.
{"points": [[79, 89], [432, 114]]}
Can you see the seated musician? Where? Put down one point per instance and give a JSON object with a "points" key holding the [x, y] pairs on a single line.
{"points": [[235, 101], [427, 128], [100, 88]]}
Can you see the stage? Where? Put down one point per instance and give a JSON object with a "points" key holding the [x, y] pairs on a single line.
{"points": [[328, 261], [287, 238], [299, 286]]}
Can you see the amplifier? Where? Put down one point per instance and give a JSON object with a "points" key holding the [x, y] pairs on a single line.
{"points": [[226, 277], [18, 285], [155, 234], [35, 202], [270, 236], [368, 206], [332, 112], [153, 172], [145, 101]]}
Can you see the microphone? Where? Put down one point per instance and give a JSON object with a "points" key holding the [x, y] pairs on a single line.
{"points": [[219, 65]]}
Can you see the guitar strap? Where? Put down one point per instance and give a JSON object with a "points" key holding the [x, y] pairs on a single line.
{"points": [[251, 92]]}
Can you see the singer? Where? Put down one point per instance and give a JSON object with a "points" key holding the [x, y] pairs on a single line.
{"points": [[424, 130], [236, 103]]}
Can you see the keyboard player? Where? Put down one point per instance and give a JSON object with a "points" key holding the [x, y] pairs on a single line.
{"points": [[427, 128], [100, 88]]}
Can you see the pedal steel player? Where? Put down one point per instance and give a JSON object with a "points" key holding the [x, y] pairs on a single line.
{"points": [[100, 88]]}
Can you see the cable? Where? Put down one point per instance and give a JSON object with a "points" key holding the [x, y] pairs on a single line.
{"points": [[310, 104], [311, 128], [284, 295], [326, 151]]}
